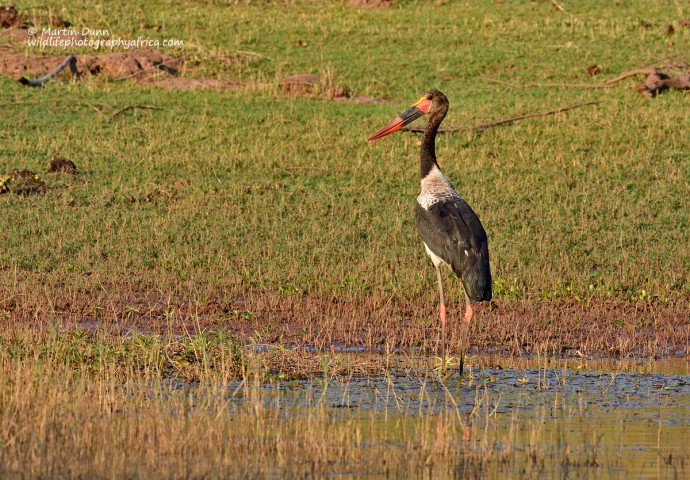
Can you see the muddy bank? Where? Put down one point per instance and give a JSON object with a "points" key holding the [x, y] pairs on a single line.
{"points": [[514, 327]]}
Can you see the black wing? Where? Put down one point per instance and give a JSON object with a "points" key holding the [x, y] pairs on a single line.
{"points": [[454, 233]]}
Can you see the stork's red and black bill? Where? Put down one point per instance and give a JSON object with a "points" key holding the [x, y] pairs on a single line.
{"points": [[408, 116]]}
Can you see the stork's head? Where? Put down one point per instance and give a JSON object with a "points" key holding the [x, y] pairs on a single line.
{"points": [[432, 102]]}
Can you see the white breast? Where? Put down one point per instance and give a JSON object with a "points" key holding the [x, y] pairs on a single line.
{"points": [[435, 188]]}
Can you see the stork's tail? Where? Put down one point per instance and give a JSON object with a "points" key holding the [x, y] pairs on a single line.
{"points": [[478, 288]]}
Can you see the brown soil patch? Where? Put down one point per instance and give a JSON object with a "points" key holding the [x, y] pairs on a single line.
{"points": [[142, 65], [17, 65]]}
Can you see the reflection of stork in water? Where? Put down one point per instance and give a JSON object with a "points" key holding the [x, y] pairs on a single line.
{"points": [[451, 231]]}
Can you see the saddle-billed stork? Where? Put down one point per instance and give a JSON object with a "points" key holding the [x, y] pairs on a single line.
{"points": [[451, 231]]}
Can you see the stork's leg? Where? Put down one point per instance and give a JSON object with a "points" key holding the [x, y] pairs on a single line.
{"points": [[442, 308], [469, 313]]}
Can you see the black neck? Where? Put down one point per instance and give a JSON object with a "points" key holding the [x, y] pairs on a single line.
{"points": [[428, 150]]}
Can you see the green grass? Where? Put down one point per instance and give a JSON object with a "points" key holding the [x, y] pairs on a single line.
{"points": [[243, 192]]}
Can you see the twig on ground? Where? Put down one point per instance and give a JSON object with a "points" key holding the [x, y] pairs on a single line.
{"points": [[131, 107], [483, 126], [631, 73], [71, 61]]}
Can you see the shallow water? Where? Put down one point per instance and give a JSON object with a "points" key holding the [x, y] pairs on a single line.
{"points": [[604, 419]]}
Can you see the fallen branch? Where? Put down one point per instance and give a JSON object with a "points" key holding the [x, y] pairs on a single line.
{"points": [[483, 126], [131, 107], [631, 73], [71, 61]]}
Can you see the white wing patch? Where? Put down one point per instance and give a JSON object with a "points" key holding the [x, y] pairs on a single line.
{"points": [[436, 260]]}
